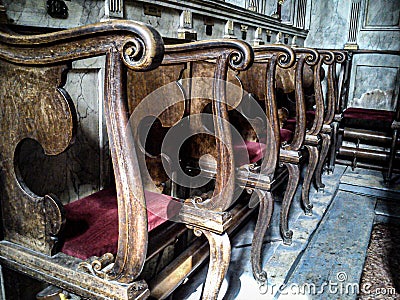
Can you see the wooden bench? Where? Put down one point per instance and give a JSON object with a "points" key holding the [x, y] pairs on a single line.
{"points": [[164, 110], [96, 247], [377, 129], [257, 122], [35, 106]]}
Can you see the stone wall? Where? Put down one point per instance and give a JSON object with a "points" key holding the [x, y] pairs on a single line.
{"points": [[367, 25]]}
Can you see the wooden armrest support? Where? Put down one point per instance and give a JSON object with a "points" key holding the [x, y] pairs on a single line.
{"points": [[327, 58], [260, 81], [129, 37]]}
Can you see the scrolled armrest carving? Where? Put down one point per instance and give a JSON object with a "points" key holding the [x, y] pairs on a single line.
{"points": [[240, 54], [285, 55], [311, 56], [241, 57], [327, 57], [340, 56], [140, 45]]}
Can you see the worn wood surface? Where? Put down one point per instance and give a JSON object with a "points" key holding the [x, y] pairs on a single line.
{"points": [[33, 108]]}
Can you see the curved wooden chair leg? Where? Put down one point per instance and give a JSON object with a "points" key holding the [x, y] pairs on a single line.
{"points": [[293, 181], [326, 141], [220, 255], [263, 221], [305, 192]]}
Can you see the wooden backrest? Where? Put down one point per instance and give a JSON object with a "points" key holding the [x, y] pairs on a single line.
{"points": [[260, 81], [191, 77], [309, 57], [333, 82]]}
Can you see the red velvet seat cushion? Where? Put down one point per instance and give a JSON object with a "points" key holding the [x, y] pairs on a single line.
{"points": [[286, 135], [255, 152], [368, 114], [92, 222], [291, 123]]}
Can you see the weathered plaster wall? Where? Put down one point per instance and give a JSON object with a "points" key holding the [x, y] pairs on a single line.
{"points": [[329, 24], [375, 78]]}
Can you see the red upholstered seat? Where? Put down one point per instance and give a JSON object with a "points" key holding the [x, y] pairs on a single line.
{"points": [[368, 114], [286, 135], [255, 152], [92, 222], [291, 123]]}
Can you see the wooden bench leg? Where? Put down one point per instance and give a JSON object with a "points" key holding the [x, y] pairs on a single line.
{"points": [[263, 221], [293, 181], [326, 141], [392, 155], [312, 164], [220, 255], [332, 150]]}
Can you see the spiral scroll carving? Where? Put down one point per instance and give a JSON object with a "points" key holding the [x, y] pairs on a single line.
{"points": [[242, 57], [340, 56], [285, 55], [311, 56], [327, 57], [98, 266], [286, 59], [133, 52]]}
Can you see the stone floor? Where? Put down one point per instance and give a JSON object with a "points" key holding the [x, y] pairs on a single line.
{"points": [[326, 258]]}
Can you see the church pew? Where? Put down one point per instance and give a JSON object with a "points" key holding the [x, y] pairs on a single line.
{"points": [[37, 107], [374, 131], [96, 247], [329, 128], [167, 113]]}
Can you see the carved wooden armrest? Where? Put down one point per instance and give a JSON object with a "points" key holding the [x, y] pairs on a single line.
{"points": [[311, 58], [332, 83], [321, 116], [37, 107], [272, 56]]}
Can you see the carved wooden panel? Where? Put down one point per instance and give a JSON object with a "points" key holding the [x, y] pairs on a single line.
{"points": [[156, 106], [39, 111], [85, 166]]}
